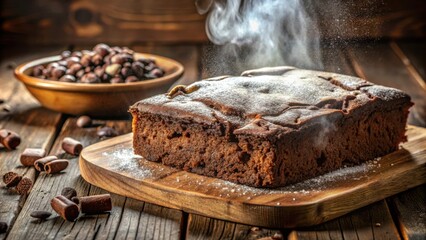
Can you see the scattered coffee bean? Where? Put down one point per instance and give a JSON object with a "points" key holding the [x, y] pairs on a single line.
{"points": [[69, 192], [11, 179], [95, 204], [84, 121], [77, 54], [24, 186], [76, 200], [67, 209], [9, 139], [72, 61], [80, 73], [56, 166], [107, 132], [40, 214], [3, 227], [378, 225], [156, 72], [40, 163], [30, 155], [72, 146]]}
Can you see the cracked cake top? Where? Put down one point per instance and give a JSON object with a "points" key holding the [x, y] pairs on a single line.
{"points": [[267, 100]]}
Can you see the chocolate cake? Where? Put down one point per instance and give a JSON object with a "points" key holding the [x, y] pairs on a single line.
{"points": [[270, 127]]}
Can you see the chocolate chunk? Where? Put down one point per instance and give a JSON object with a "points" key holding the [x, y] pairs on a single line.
{"points": [[24, 186], [69, 192], [11, 179], [40, 163], [56, 166], [40, 214], [72, 146], [30, 155], [9, 139], [67, 209], [96, 204]]}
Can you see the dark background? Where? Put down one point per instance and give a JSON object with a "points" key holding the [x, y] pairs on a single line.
{"points": [[47, 22]]}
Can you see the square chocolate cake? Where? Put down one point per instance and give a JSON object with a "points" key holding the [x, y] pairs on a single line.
{"points": [[270, 127]]}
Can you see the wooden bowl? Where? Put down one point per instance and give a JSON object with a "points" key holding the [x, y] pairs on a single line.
{"points": [[96, 100]]}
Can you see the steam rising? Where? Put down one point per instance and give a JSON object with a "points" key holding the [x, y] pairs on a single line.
{"points": [[259, 33]]}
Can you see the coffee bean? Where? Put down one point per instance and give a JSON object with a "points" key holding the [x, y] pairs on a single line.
{"points": [[146, 61], [138, 69], [72, 60], [80, 73], [9, 139], [11, 179], [24, 186], [113, 69], [102, 49], [117, 80], [75, 68], [3, 227], [67, 209], [52, 65], [105, 78], [58, 72], [72, 146], [40, 214], [125, 72], [69, 192], [96, 204], [30, 155], [130, 79], [40, 163], [127, 65], [38, 70], [121, 58], [84, 121], [77, 54], [56, 166], [99, 71], [127, 50], [63, 63], [90, 78], [85, 60], [103, 64], [68, 78], [107, 132], [97, 59], [65, 54]]}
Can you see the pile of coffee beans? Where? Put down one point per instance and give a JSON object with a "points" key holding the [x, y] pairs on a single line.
{"points": [[103, 64]]}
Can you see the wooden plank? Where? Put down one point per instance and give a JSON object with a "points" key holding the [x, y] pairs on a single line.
{"points": [[409, 209], [164, 221], [200, 227], [371, 222], [412, 55], [379, 64]]}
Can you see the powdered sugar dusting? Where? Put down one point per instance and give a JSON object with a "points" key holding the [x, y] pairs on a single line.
{"points": [[123, 159]]}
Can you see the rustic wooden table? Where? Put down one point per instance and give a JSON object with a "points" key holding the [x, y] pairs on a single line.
{"points": [[396, 64]]}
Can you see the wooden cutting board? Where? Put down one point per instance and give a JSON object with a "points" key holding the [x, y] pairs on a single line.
{"points": [[111, 165]]}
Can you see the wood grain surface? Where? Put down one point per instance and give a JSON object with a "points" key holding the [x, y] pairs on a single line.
{"points": [[111, 165]]}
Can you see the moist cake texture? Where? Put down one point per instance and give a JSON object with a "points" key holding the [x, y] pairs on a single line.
{"points": [[270, 127]]}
